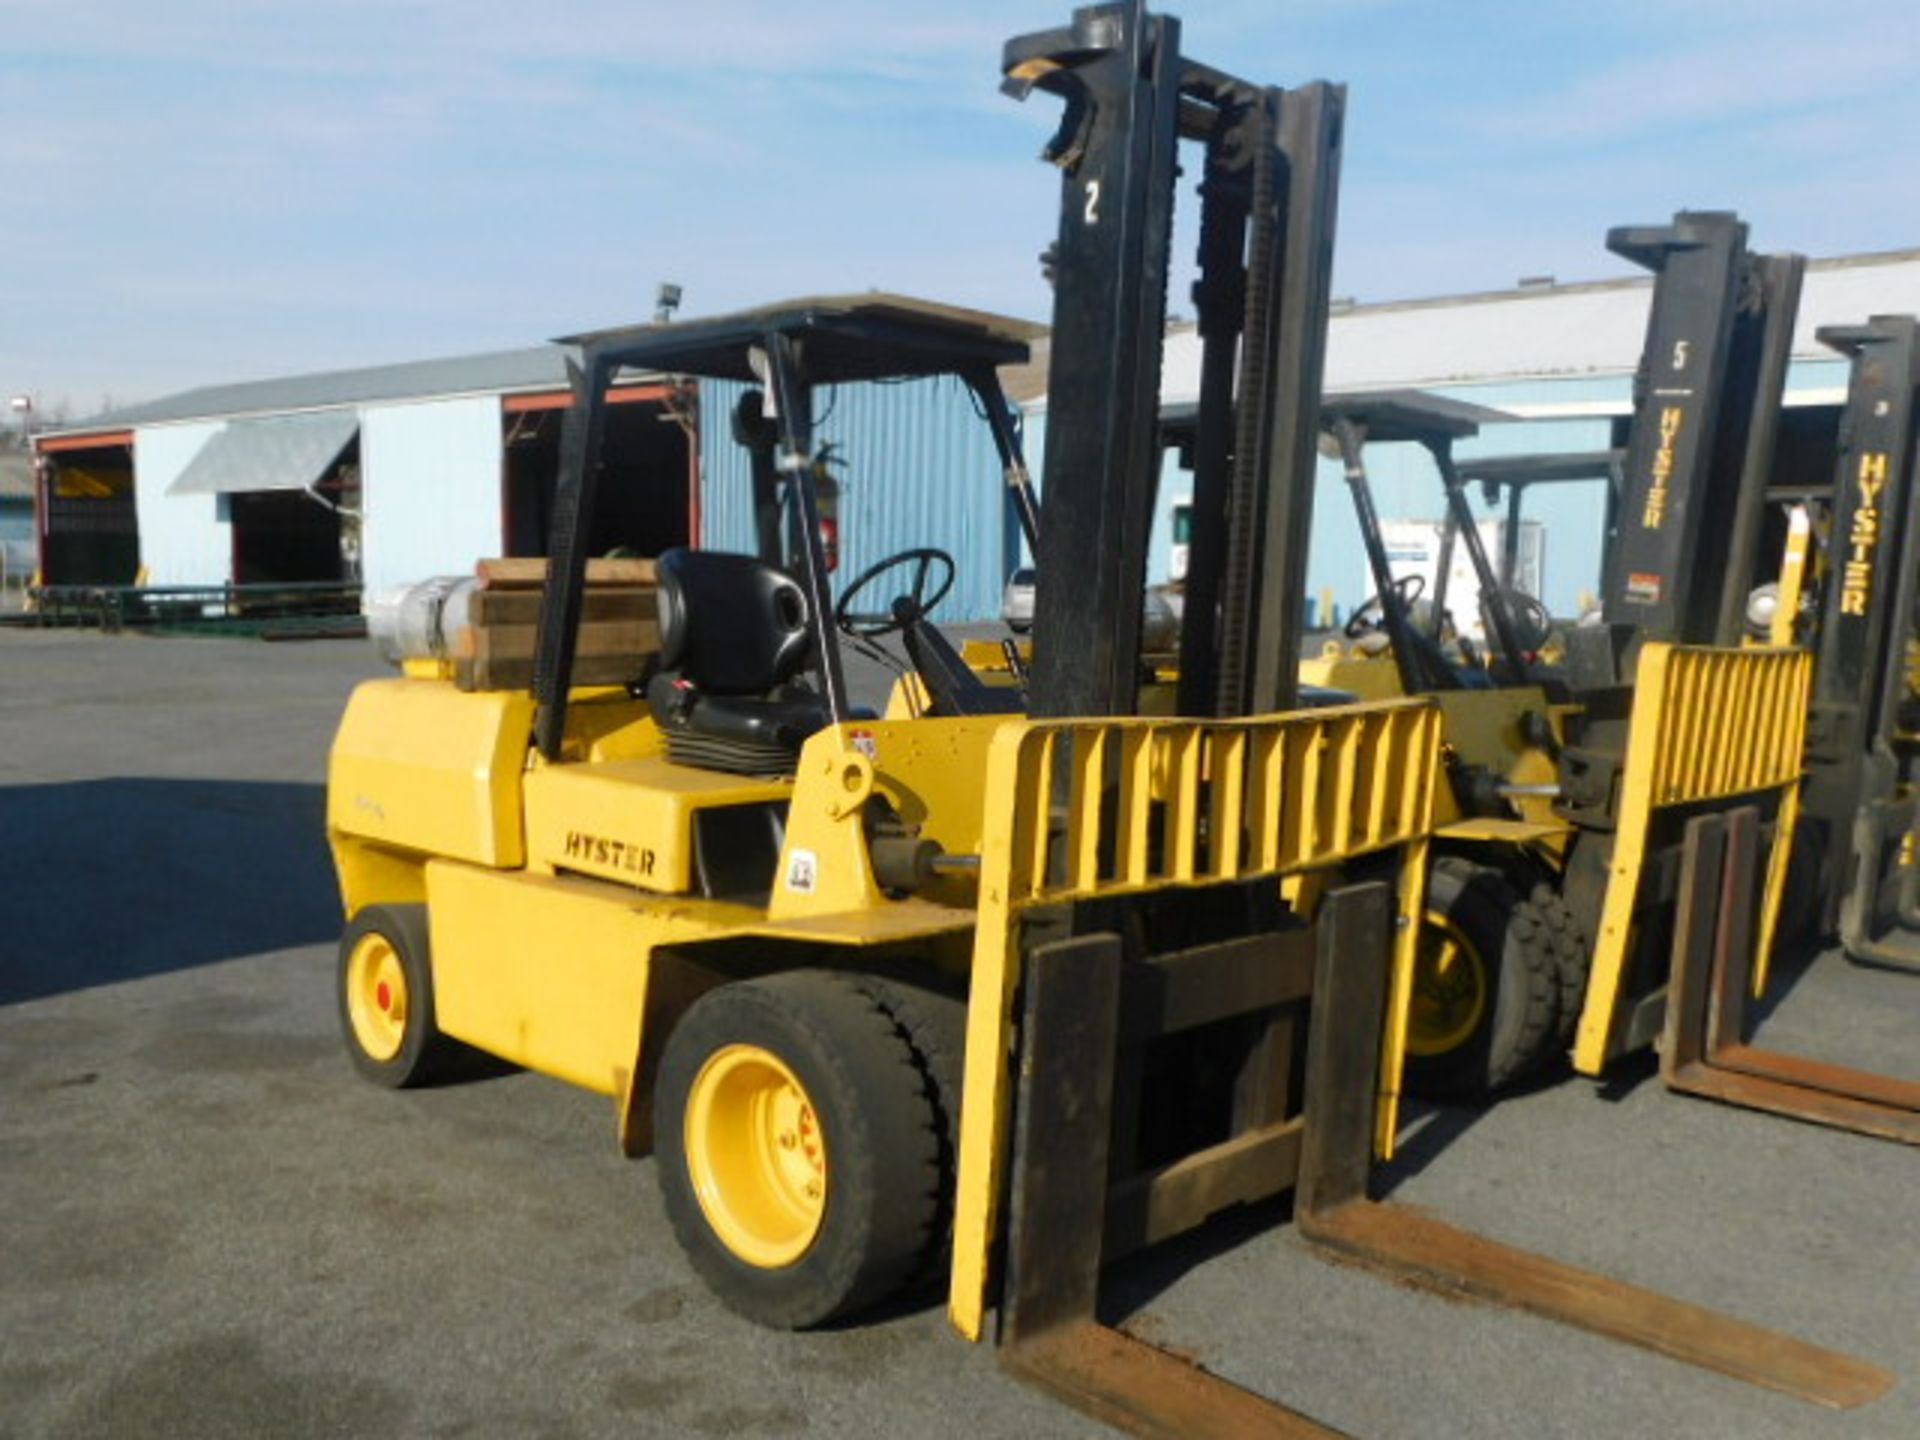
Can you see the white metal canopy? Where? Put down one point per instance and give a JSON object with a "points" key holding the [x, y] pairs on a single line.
{"points": [[275, 452]]}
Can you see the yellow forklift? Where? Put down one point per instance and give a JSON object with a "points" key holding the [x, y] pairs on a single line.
{"points": [[1538, 792], [1012, 988], [1500, 962], [1533, 751], [1854, 820], [1849, 823]]}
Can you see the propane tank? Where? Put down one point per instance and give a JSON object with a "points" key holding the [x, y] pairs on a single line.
{"points": [[418, 621]]}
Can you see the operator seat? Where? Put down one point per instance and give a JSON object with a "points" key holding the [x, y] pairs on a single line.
{"points": [[734, 634]]}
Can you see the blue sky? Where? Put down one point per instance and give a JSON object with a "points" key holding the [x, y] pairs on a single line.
{"points": [[204, 192]]}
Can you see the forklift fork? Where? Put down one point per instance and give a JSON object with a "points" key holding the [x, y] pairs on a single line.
{"points": [[1066, 1216], [1332, 1209], [1707, 1049]]}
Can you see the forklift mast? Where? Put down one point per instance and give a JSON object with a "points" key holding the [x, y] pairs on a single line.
{"points": [[1855, 761], [1679, 566], [1706, 407], [1150, 1078], [1268, 185]]}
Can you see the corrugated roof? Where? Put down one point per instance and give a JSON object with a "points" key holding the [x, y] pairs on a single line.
{"points": [[1589, 327], [1874, 259], [1552, 331], [539, 367]]}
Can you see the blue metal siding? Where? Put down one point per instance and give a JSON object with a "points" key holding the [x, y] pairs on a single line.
{"points": [[18, 550], [921, 470]]}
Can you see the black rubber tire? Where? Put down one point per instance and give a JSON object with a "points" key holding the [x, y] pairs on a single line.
{"points": [[1548, 924], [879, 1123], [1517, 1029], [935, 1026], [425, 1055]]}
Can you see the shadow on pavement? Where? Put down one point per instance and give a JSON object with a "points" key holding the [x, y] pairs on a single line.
{"points": [[1131, 1286], [108, 880], [1788, 970]]}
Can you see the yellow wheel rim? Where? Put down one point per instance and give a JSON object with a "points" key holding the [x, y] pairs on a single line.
{"points": [[755, 1155], [1449, 989], [377, 996]]}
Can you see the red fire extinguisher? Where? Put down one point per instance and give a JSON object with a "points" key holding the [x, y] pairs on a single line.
{"points": [[826, 492]]}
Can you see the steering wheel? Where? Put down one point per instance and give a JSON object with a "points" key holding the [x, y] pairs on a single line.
{"points": [[905, 609], [1532, 624], [1370, 616]]}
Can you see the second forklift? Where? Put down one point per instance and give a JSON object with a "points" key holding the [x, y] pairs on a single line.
{"points": [[1857, 811], [1538, 783]]}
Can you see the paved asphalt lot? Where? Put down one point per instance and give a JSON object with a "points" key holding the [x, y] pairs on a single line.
{"points": [[209, 1227]]}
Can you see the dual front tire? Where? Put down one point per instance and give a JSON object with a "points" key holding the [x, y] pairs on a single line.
{"points": [[803, 1128], [1498, 982]]}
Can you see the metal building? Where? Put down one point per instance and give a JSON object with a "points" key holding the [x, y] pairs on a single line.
{"points": [[391, 474], [16, 521], [914, 465], [384, 476], [1560, 359], [380, 476]]}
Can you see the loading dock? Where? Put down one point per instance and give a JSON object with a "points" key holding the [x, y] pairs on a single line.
{"points": [[86, 530], [288, 487], [650, 501]]}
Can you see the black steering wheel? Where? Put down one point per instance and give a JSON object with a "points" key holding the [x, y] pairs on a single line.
{"points": [[906, 608], [1371, 615], [1532, 625]]}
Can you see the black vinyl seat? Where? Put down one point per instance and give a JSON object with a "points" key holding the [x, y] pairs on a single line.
{"points": [[734, 635]]}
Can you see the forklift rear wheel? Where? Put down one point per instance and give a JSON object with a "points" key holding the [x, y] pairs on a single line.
{"points": [[798, 1147], [386, 998], [1485, 987]]}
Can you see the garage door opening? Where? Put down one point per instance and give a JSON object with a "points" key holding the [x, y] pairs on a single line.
{"points": [[286, 537], [88, 531], [645, 501]]}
